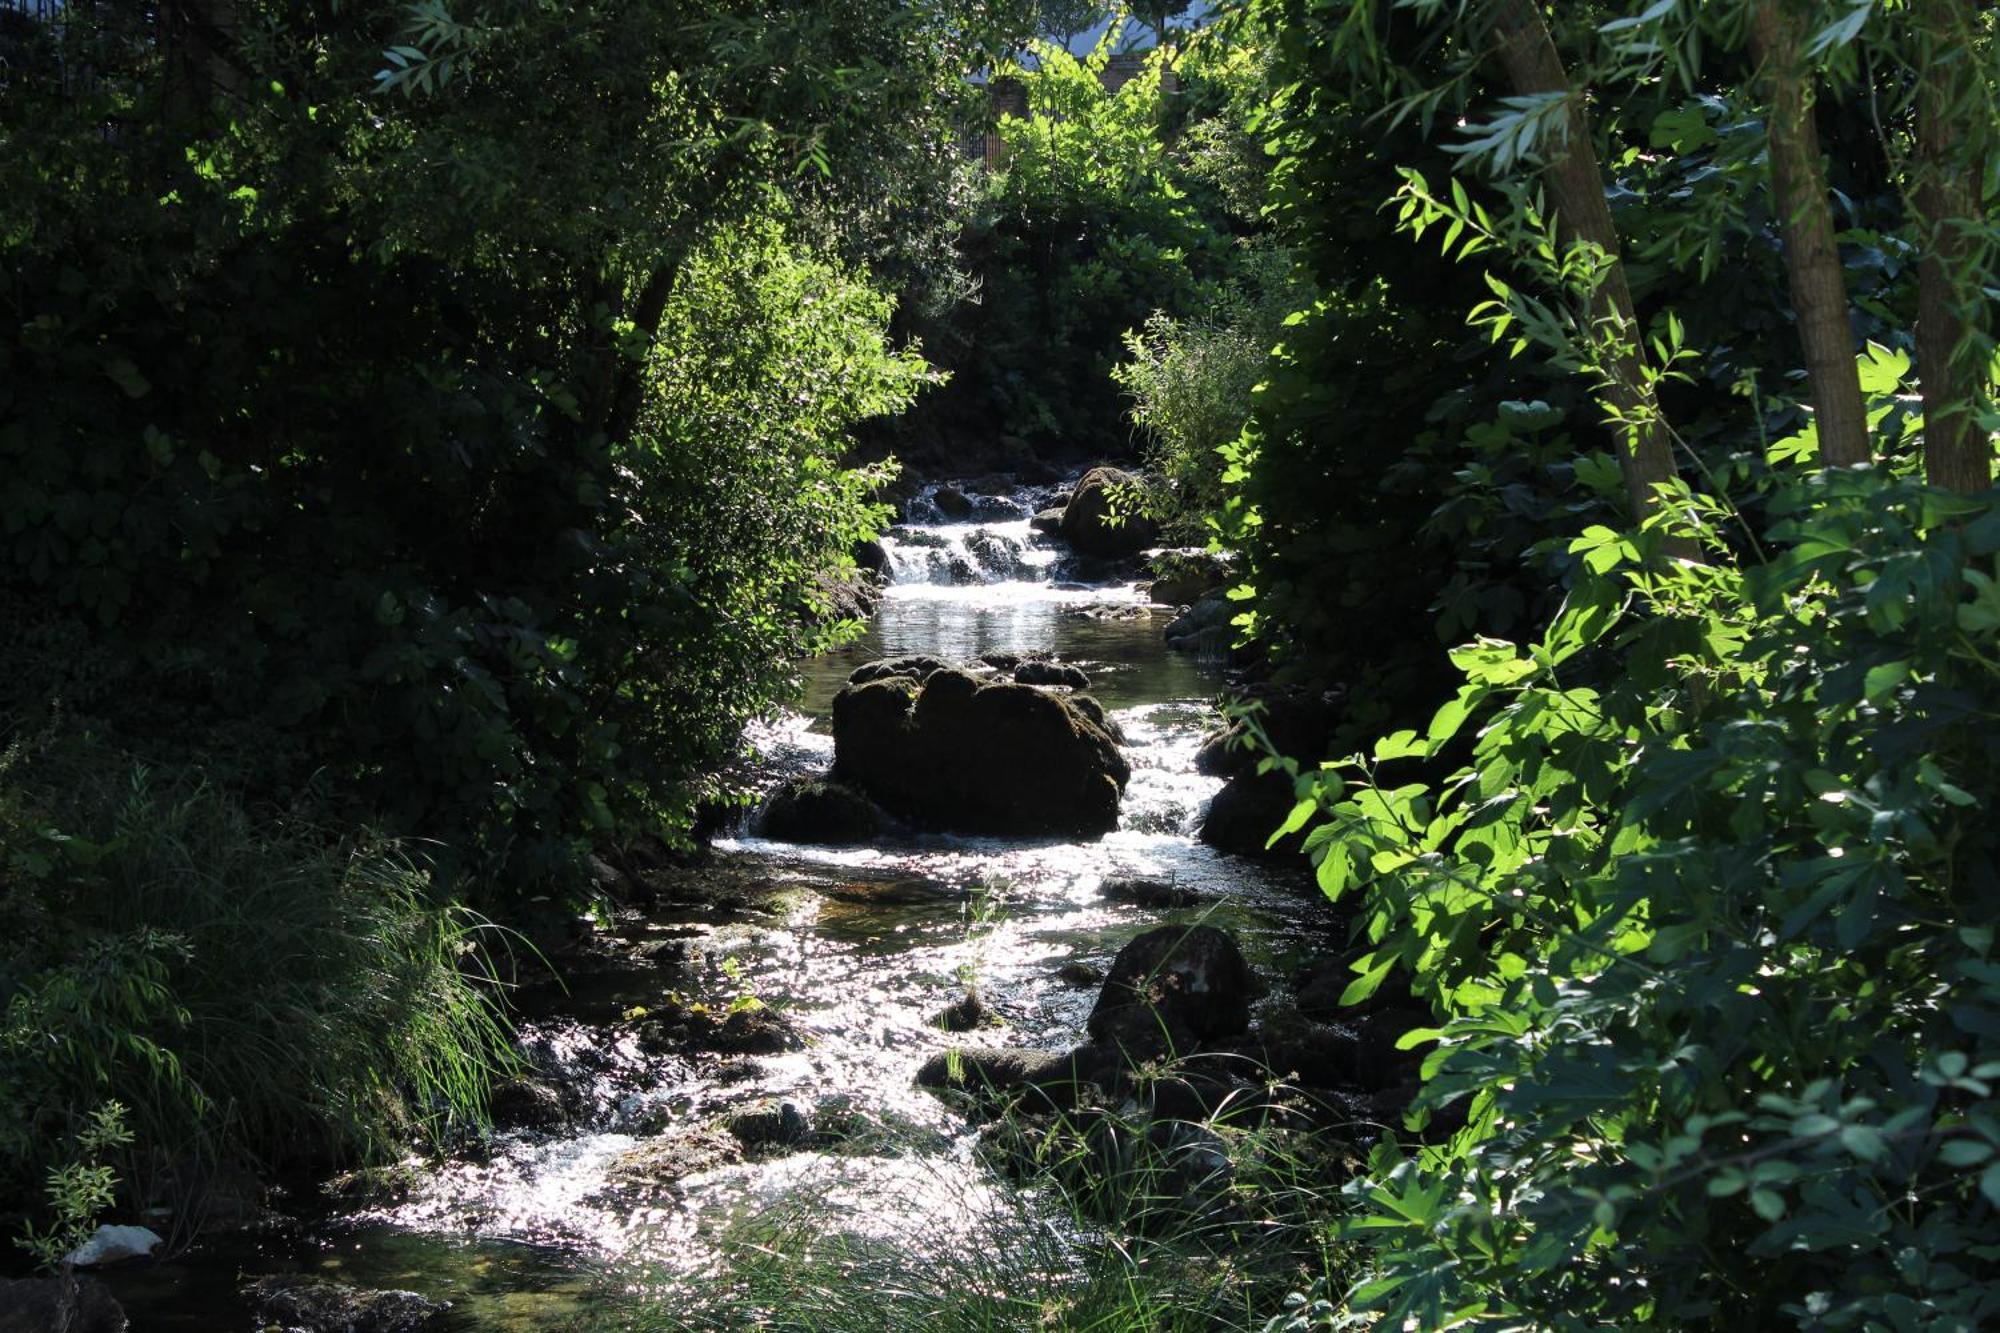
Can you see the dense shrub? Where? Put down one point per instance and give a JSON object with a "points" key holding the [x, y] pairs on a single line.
{"points": [[254, 991], [1107, 207], [1708, 917]]}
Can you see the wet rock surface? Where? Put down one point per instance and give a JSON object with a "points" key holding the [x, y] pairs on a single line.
{"points": [[1051, 673], [1251, 807], [1189, 979], [313, 1305], [755, 1029], [1204, 629], [960, 753], [1140, 891], [816, 811], [1185, 576], [1096, 523], [59, 1305]]}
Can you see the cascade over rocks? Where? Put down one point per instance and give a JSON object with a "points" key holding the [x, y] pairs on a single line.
{"points": [[1087, 521], [950, 751]]}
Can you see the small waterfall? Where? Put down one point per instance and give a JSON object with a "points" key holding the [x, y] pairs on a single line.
{"points": [[960, 540]]}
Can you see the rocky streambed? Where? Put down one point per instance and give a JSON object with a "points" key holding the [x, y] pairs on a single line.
{"points": [[810, 1031]]}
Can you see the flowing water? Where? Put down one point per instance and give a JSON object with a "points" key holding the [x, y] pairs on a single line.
{"points": [[859, 948]]}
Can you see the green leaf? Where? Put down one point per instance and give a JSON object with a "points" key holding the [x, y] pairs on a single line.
{"points": [[126, 376], [1883, 678], [1368, 982], [1294, 821], [1401, 745], [1964, 1152]]}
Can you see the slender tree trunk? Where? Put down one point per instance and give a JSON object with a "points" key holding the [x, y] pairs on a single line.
{"points": [[628, 394], [1528, 55], [200, 41], [1957, 455], [1812, 260]]}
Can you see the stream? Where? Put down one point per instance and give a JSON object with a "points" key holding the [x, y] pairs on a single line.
{"points": [[858, 949]]}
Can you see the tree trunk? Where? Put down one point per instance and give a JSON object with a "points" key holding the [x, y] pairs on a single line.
{"points": [[1957, 455], [1812, 261], [199, 40], [628, 393], [1575, 184]]}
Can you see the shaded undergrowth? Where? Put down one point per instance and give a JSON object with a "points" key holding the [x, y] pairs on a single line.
{"points": [[255, 991]]}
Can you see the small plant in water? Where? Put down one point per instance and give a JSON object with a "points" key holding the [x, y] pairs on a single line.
{"points": [[985, 911], [79, 1189], [746, 998]]}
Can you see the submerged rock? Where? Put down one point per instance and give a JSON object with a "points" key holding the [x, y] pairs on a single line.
{"points": [[994, 758], [59, 1305], [1090, 524], [1051, 673], [527, 1103], [297, 1304], [1143, 892], [770, 1125], [662, 1162], [753, 1029], [1175, 980]]}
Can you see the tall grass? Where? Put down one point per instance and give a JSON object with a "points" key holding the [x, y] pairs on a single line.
{"points": [[1103, 1230], [255, 990]]}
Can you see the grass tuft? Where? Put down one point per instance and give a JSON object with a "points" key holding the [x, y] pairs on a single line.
{"points": [[256, 991]]}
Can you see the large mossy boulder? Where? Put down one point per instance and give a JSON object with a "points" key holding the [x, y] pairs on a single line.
{"points": [[1092, 523], [952, 752]]}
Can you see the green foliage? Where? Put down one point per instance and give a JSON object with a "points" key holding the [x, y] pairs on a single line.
{"points": [[248, 987], [1190, 382], [1705, 916], [1699, 880], [79, 1190], [375, 431], [1095, 219]]}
